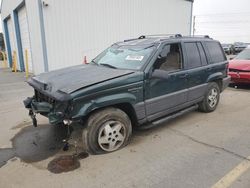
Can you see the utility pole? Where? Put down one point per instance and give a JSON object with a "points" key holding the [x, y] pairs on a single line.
{"points": [[194, 25]]}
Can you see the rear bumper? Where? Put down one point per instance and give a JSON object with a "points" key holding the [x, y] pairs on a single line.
{"points": [[225, 82], [240, 77]]}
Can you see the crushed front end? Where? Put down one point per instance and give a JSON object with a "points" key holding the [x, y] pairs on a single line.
{"points": [[53, 105]]}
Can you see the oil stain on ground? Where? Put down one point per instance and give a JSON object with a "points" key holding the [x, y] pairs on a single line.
{"points": [[66, 163], [35, 144]]}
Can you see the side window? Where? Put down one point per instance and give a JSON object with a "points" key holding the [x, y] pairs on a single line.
{"points": [[170, 58], [202, 54], [193, 55], [215, 51]]}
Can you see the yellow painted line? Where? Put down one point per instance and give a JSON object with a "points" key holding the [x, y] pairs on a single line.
{"points": [[233, 175]]}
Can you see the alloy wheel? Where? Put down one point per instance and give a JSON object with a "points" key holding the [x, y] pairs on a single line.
{"points": [[213, 98], [111, 135]]}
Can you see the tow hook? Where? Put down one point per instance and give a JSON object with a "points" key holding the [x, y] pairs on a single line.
{"points": [[33, 117]]}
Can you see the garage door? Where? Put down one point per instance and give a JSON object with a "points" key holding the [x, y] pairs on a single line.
{"points": [[11, 35], [24, 35]]}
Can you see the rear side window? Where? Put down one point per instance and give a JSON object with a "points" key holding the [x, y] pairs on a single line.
{"points": [[215, 52], [202, 54], [193, 55]]}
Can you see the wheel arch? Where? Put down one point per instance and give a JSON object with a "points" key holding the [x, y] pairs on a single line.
{"points": [[124, 102], [125, 107], [217, 78]]}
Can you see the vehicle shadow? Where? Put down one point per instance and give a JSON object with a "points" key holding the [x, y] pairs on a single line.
{"points": [[35, 144]]}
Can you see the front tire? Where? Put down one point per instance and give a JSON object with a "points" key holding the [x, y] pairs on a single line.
{"points": [[107, 130], [211, 99]]}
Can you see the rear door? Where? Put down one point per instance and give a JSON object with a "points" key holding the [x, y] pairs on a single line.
{"points": [[216, 59], [197, 71]]}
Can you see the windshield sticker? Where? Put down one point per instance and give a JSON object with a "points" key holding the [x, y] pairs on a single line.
{"points": [[134, 58]]}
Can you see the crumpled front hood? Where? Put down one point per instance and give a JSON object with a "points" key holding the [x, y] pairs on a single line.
{"points": [[240, 64], [71, 79]]}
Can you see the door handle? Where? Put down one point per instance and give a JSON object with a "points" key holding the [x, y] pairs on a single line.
{"points": [[184, 76], [209, 68]]}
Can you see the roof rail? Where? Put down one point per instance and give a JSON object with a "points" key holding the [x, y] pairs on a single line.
{"points": [[152, 36], [158, 35], [200, 36], [128, 40], [167, 36]]}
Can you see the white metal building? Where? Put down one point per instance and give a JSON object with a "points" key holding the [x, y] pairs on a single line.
{"points": [[59, 33]]}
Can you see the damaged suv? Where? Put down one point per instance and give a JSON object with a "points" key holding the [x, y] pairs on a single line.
{"points": [[135, 83]]}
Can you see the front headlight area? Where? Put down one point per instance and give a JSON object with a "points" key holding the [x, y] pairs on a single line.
{"points": [[60, 113], [59, 110]]}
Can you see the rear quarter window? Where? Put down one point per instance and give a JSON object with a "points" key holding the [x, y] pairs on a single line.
{"points": [[215, 52], [202, 54]]}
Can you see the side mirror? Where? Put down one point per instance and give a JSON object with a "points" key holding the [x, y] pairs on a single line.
{"points": [[160, 74]]}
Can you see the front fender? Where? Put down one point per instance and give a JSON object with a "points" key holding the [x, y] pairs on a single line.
{"points": [[101, 102], [215, 76]]}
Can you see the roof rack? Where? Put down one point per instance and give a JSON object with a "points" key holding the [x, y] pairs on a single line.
{"points": [[160, 35], [128, 40], [200, 36], [155, 36], [167, 36]]}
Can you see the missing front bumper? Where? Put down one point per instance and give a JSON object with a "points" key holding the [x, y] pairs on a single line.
{"points": [[37, 107], [43, 108]]}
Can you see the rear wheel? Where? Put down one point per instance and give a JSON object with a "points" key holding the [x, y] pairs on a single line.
{"points": [[211, 98], [107, 130]]}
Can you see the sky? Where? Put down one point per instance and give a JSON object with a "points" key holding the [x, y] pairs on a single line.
{"points": [[225, 20]]}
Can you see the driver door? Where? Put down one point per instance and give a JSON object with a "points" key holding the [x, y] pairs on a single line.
{"points": [[166, 94]]}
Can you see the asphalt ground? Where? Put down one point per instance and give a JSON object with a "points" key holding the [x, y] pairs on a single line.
{"points": [[195, 150]]}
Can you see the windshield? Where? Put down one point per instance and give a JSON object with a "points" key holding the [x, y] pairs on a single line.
{"points": [[124, 57], [244, 55]]}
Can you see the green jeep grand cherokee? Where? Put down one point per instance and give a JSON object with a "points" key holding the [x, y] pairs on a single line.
{"points": [[138, 82]]}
